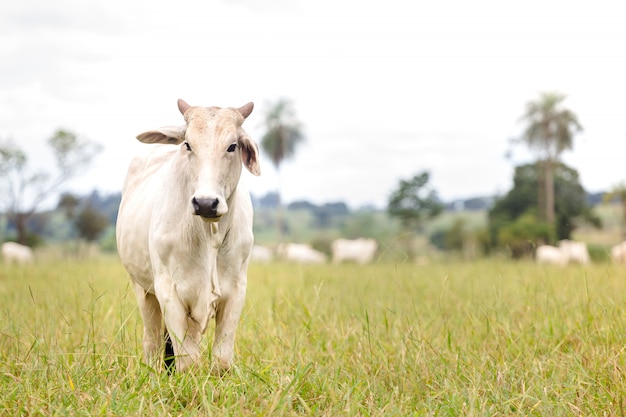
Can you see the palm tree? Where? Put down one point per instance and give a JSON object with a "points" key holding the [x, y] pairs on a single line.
{"points": [[282, 137], [550, 131]]}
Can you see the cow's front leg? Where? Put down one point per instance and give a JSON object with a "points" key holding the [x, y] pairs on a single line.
{"points": [[226, 320], [152, 325], [184, 332]]}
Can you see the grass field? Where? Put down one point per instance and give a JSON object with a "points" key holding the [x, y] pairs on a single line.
{"points": [[490, 338]]}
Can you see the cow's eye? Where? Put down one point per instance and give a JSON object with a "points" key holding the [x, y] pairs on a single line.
{"points": [[232, 147], [187, 146]]}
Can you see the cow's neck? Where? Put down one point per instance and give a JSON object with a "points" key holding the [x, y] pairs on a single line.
{"points": [[216, 231]]}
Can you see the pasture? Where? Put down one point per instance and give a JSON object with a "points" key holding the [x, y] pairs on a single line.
{"points": [[488, 338]]}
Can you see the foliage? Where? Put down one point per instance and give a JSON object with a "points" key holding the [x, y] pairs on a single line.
{"points": [[413, 201], [283, 132], [90, 223], [549, 131], [369, 223], [12, 159], [456, 236], [461, 234], [325, 213], [521, 236], [68, 203], [521, 200], [550, 127], [452, 238], [25, 189], [480, 338]]}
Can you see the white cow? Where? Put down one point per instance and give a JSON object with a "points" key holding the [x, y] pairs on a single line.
{"points": [[14, 253], [618, 253], [567, 252], [575, 252], [360, 250], [552, 255], [301, 253], [184, 233], [261, 254]]}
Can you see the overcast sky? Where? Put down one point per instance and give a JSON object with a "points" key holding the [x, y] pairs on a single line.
{"points": [[385, 89]]}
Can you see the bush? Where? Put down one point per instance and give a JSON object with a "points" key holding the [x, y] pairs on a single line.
{"points": [[522, 235], [599, 253]]}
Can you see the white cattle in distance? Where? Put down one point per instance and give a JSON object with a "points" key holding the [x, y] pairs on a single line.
{"points": [[618, 253], [361, 251], [547, 254], [300, 253], [567, 252], [14, 253], [184, 233], [261, 254], [575, 252]]}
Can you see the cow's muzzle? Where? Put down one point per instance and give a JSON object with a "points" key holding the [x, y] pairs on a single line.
{"points": [[206, 207]]}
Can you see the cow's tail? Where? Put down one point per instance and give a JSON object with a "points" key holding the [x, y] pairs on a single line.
{"points": [[168, 354]]}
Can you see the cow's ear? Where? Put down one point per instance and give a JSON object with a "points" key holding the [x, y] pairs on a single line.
{"points": [[250, 154], [172, 135]]}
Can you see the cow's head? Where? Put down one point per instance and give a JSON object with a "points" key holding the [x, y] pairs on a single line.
{"points": [[212, 147]]}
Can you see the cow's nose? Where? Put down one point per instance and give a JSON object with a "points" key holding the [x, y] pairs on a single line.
{"points": [[205, 207]]}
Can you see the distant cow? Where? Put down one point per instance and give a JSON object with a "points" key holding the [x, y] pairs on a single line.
{"points": [[14, 253], [301, 253], [261, 254], [575, 252], [567, 252], [184, 233], [552, 255], [361, 250], [618, 253]]}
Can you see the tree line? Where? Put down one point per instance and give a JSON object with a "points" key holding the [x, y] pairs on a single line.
{"points": [[25, 188], [545, 204], [547, 201]]}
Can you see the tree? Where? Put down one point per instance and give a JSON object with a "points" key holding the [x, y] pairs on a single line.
{"points": [[281, 139], [68, 203], [550, 130], [451, 238], [522, 235], [24, 189], [412, 203], [513, 220], [90, 223]]}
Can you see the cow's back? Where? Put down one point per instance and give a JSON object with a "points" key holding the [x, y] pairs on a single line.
{"points": [[142, 187]]}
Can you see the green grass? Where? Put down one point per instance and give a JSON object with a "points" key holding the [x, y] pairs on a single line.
{"points": [[490, 338]]}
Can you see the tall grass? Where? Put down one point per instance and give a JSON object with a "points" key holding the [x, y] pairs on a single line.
{"points": [[461, 339]]}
